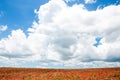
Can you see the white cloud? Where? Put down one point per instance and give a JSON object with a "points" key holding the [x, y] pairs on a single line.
{"points": [[90, 1], [3, 28], [65, 35]]}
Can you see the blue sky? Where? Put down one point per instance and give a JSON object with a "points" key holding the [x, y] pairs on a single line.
{"points": [[94, 6], [18, 13], [85, 35]]}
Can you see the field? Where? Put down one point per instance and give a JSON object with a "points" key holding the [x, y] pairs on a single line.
{"points": [[59, 74]]}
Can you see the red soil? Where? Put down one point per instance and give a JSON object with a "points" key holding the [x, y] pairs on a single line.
{"points": [[59, 74]]}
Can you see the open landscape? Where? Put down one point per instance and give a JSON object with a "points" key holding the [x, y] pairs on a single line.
{"points": [[59, 74], [59, 39]]}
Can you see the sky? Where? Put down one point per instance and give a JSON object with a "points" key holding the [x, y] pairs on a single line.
{"points": [[60, 33]]}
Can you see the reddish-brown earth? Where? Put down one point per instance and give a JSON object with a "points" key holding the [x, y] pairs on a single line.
{"points": [[59, 74]]}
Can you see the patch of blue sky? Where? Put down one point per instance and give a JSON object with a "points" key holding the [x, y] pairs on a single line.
{"points": [[97, 39], [72, 2], [94, 6]]}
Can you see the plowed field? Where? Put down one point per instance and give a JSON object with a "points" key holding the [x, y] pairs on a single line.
{"points": [[59, 74]]}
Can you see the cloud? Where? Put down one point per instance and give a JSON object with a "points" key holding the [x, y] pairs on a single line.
{"points": [[3, 28], [64, 35], [90, 1]]}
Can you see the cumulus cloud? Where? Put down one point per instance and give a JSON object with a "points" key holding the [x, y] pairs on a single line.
{"points": [[3, 28], [90, 1], [66, 35]]}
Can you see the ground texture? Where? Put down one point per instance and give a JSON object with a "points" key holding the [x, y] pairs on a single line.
{"points": [[59, 74]]}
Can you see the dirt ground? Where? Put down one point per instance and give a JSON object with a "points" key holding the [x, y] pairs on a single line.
{"points": [[59, 74]]}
